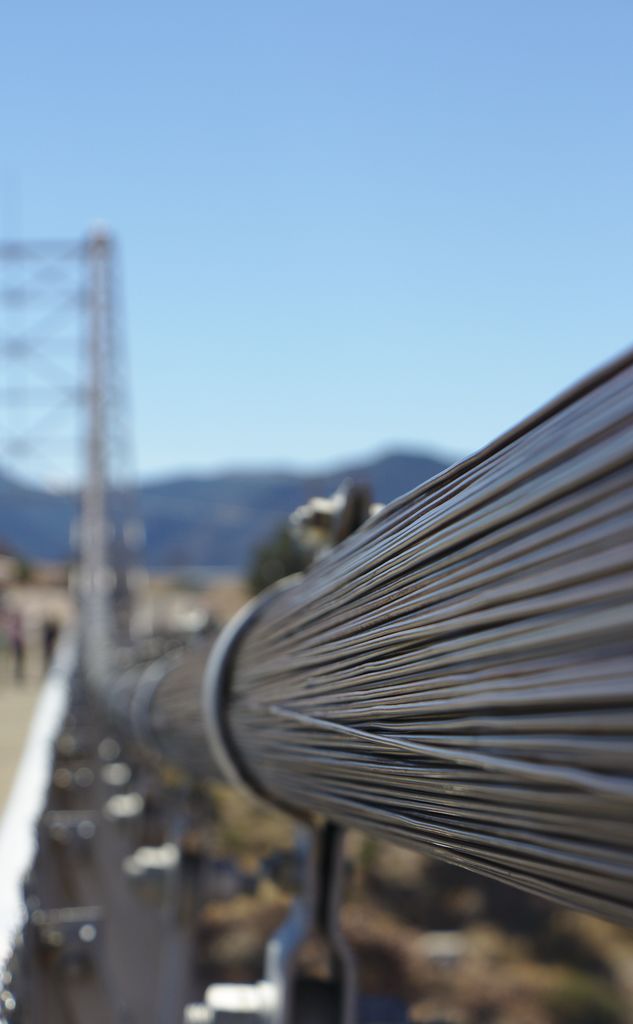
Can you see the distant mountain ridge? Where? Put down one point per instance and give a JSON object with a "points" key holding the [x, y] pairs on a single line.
{"points": [[213, 520]]}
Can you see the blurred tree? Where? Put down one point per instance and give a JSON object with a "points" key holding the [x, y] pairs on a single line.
{"points": [[23, 571], [584, 1000], [279, 556]]}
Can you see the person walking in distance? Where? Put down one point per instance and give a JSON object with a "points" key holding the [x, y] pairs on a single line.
{"points": [[16, 637], [50, 632]]}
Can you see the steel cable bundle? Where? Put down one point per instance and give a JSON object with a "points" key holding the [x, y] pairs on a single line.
{"points": [[458, 674], [168, 720], [155, 703]]}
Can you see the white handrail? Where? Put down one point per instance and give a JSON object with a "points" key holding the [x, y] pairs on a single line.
{"points": [[27, 799]]}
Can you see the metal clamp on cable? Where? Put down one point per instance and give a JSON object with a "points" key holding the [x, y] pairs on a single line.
{"points": [[216, 684], [320, 524], [287, 994]]}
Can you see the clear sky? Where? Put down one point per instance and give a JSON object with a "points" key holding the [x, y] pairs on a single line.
{"points": [[346, 224]]}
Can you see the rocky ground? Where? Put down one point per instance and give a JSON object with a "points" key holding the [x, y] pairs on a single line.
{"points": [[456, 948]]}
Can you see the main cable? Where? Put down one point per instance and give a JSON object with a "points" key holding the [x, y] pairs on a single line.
{"points": [[457, 675]]}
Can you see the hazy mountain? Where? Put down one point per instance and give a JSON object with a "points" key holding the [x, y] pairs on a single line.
{"points": [[35, 523], [214, 520]]}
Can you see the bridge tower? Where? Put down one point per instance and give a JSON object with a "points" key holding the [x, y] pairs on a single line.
{"points": [[64, 423]]}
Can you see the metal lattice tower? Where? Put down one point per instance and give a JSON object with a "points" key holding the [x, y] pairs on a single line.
{"points": [[63, 412], [42, 349]]}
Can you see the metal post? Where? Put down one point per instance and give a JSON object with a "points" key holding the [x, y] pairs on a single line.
{"points": [[95, 577]]}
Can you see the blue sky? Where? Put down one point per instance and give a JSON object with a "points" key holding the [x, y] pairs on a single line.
{"points": [[345, 225]]}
